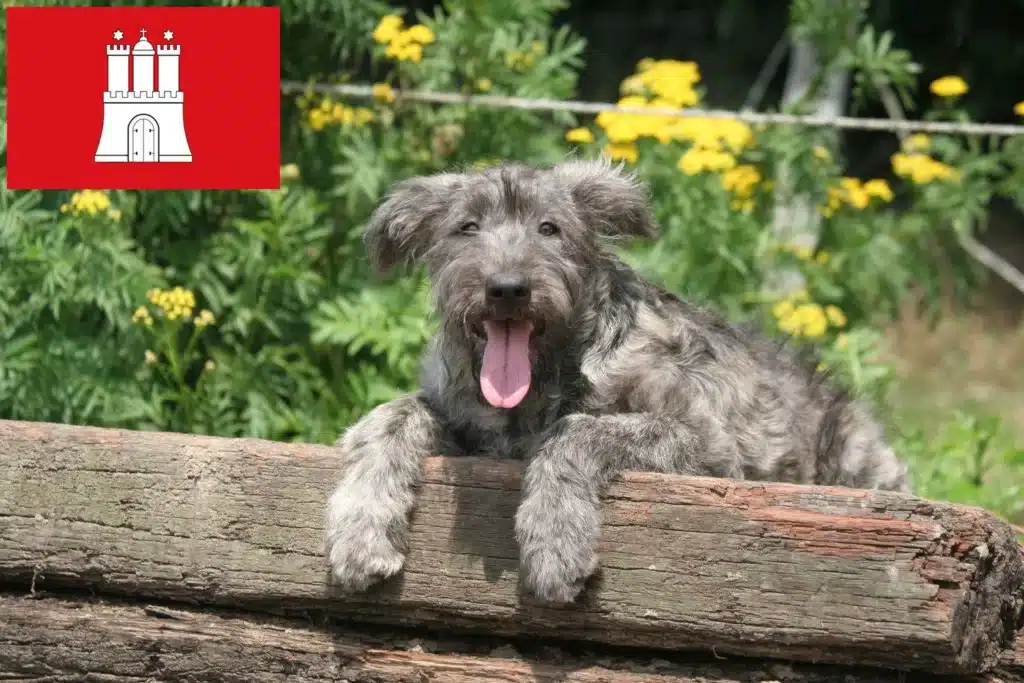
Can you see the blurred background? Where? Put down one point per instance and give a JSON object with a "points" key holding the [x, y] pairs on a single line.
{"points": [[896, 254]]}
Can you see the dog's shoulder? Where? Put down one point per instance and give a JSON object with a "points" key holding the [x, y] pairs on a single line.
{"points": [[643, 307]]}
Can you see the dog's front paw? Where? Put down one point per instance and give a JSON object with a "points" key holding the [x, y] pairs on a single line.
{"points": [[557, 549], [557, 574], [359, 548], [360, 558]]}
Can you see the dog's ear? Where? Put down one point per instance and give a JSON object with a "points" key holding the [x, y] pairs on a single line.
{"points": [[612, 202], [401, 228]]}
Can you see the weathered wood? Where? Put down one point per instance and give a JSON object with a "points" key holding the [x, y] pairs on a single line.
{"points": [[769, 570], [1014, 659], [57, 640]]}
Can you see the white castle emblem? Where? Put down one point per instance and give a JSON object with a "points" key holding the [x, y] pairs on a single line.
{"points": [[145, 123]]}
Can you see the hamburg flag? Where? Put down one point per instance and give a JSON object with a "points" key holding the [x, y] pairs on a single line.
{"points": [[154, 98]]}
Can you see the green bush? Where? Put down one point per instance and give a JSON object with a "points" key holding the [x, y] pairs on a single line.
{"points": [[255, 314]]}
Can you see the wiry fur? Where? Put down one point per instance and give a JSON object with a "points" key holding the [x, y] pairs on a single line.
{"points": [[625, 377]]}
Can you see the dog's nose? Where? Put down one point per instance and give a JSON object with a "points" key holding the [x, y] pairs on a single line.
{"points": [[508, 290]]}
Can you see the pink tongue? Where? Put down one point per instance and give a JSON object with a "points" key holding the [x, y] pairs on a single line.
{"points": [[505, 374]]}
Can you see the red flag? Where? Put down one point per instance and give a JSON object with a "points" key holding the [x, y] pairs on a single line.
{"points": [[143, 98]]}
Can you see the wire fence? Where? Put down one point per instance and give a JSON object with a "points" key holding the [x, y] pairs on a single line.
{"points": [[580, 107]]}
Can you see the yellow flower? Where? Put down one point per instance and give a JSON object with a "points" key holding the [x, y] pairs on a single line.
{"points": [[388, 28], [633, 85], [644, 64], [405, 51], [856, 195], [623, 127], [672, 81], [720, 161], [363, 115], [421, 34], [696, 160], [289, 172], [742, 205], [713, 133], [626, 151], [917, 143], [834, 200], [815, 321], [174, 303], [209, 366], [799, 317], [91, 202], [807, 320], [783, 308], [921, 168], [1018, 108], [692, 162], [949, 86], [741, 180], [397, 42], [383, 92], [878, 188], [317, 119], [518, 60], [835, 315], [842, 341], [580, 135], [822, 153], [340, 114], [413, 53], [670, 84], [142, 316], [205, 318], [853, 192], [149, 357], [483, 84]]}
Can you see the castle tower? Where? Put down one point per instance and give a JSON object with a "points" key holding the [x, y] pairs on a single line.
{"points": [[142, 65], [167, 58], [145, 124], [117, 68]]}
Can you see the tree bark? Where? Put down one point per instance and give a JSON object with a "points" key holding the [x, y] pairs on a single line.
{"points": [[795, 221], [60, 640], [744, 568], [1014, 659]]}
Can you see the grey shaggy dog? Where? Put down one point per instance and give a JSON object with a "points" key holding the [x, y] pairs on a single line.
{"points": [[552, 350]]}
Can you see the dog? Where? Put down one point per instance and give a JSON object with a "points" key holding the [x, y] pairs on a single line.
{"points": [[551, 349]]}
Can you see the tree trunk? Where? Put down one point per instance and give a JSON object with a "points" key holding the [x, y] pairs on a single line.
{"points": [[744, 568], [796, 222], [64, 641]]}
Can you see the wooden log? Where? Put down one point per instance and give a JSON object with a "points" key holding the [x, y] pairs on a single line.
{"points": [[1014, 659], [745, 568], [64, 641]]}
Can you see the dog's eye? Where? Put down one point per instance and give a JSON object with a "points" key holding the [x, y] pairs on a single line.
{"points": [[469, 227], [548, 229]]}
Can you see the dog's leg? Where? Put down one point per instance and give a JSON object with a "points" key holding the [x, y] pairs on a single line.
{"points": [[558, 520], [368, 513]]}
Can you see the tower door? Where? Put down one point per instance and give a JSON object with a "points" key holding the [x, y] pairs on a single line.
{"points": [[143, 139]]}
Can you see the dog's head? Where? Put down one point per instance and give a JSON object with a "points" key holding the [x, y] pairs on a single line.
{"points": [[510, 251]]}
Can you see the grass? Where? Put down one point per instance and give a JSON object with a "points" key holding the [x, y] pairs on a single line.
{"points": [[958, 407]]}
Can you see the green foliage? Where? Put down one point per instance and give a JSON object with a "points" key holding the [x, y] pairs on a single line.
{"points": [[299, 338], [971, 460]]}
